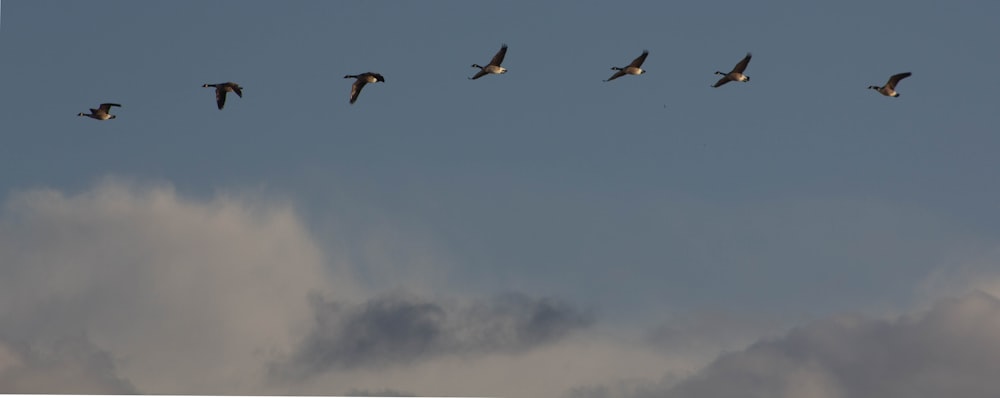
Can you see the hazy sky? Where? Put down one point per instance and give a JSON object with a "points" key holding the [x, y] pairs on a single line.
{"points": [[537, 233]]}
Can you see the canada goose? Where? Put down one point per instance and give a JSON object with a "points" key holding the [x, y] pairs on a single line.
{"points": [[889, 89], [736, 74], [221, 89], [361, 81], [101, 113], [631, 69], [494, 65]]}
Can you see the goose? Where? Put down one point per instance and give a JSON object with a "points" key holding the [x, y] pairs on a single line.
{"points": [[494, 65], [101, 113], [631, 69], [735, 75], [889, 89], [361, 81], [221, 89]]}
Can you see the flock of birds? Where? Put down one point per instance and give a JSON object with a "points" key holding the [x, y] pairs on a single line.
{"points": [[103, 112]]}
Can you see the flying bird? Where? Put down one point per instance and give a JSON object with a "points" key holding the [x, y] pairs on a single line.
{"points": [[735, 75], [889, 89], [632, 69], [360, 82], [101, 113], [494, 65], [221, 89]]}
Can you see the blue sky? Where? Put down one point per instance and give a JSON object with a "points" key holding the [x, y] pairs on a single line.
{"points": [[637, 203]]}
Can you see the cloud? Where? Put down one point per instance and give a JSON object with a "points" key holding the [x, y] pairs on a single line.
{"points": [[379, 393], [711, 332], [398, 329], [632, 388], [124, 285], [71, 365], [132, 288], [125, 288], [950, 350]]}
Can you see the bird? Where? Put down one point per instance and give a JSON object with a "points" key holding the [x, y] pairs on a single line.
{"points": [[736, 74], [221, 89], [360, 82], [101, 113], [494, 65], [632, 69], [889, 89]]}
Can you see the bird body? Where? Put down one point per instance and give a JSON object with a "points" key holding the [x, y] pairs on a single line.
{"points": [[889, 89], [221, 89], [735, 75], [101, 113], [360, 82], [494, 66], [634, 68]]}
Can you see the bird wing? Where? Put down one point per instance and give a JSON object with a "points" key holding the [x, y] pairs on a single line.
{"points": [[639, 60], [896, 78], [238, 90], [106, 107], [220, 96], [742, 65], [620, 73], [356, 89], [481, 73], [498, 58], [723, 80]]}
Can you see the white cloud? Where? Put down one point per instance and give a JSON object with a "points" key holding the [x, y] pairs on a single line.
{"points": [[126, 288], [185, 295]]}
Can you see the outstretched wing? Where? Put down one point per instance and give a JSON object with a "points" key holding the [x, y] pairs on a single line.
{"points": [[638, 61], [896, 78], [742, 65], [620, 73], [723, 80], [481, 73], [106, 107], [498, 58], [356, 89]]}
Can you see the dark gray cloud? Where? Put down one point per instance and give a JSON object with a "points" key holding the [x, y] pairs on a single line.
{"points": [[397, 329], [68, 365], [952, 350]]}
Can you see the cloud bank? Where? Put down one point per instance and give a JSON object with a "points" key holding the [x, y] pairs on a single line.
{"points": [[125, 289], [953, 349]]}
